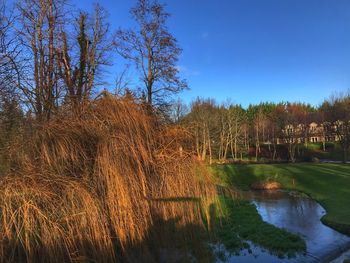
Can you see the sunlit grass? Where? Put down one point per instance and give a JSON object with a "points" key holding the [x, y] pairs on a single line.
{"points": [[329, 184]]}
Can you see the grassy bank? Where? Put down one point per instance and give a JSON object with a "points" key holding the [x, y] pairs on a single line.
{"points": [[329, 184]]}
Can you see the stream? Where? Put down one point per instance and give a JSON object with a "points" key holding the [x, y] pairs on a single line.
{"points": [[298, 214]]}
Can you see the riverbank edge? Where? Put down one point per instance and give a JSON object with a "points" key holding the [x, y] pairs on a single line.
{"points": [[341, 228], [331, 255], [335, 254]]}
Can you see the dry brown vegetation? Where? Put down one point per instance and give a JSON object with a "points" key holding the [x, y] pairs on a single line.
{"points": [[266, 185], [99, 187]]}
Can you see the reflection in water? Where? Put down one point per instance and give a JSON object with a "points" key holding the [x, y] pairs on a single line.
{"points": [[297, 214]]}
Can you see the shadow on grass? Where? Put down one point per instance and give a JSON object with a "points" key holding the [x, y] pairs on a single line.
{"points": [[236, 222], [170, 242], [167, 241]]}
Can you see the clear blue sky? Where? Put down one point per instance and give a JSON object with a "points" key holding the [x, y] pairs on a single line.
{"points": [[256, 50]]}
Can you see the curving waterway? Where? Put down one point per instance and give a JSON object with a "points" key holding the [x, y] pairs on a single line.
{"points": [[298, 214]]}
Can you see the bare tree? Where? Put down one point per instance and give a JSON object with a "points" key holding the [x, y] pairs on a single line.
{"points": [[236, 132], [122, 81], [10, 71], [294, 123], [153, 50], [256, 118], [40, 22], [258, 124], [93, 46], [178, 111], [202, 122]]}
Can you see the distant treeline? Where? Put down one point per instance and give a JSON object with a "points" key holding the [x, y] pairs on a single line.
{"points": [[277, 131]]}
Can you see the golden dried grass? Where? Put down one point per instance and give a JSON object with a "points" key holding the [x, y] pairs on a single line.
{"points": [[92, 187]]}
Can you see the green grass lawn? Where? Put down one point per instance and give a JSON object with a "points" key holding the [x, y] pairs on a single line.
{"points": [[329, 184]]}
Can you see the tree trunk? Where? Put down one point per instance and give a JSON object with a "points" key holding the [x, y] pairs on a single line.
{"points": [[257, 145], [197, 145], [232, 151], [291, 150], [226, 147], [345, 154], [149, 98], [236, 131], [209, 147], [204, 150]]}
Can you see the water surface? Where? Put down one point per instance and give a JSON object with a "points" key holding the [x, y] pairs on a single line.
{"points": [[298, 214]]}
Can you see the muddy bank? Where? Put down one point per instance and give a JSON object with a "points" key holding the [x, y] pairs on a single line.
{"points": [[343, 258], [265, 185]]}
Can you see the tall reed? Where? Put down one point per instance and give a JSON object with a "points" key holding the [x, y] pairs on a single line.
{"points": [[98, 186]]}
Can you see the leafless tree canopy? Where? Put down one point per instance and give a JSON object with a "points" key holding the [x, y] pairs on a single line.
{"points": [[47, 60], [51, 58], [9, 54], [79, 75], [153, 50], [39, 25]]}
